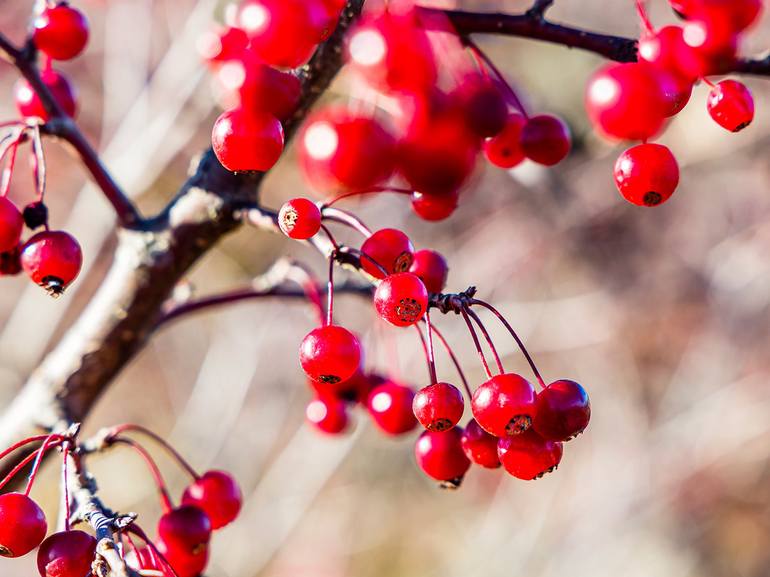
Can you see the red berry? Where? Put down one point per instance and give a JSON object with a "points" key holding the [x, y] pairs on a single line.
{"points": [[22, 525], [387, 249], [401, 299], [479, 446], [11, 225], [504, 405], [731, 105], [218, 495], [390, 406], [504, 150], [546, 139], [66, 554], [10, 262], [29, 104], [432, 269], [328, 414], [438, 407], [222, 44], [355, 390], [440, 455], [629, 101], [562, 411], [186, 528], [647, 174], [249, 84], [299, 218], [61, 31], [246, 141], [52, 259], [667, 50], [484, 106], [434, 207], [740, 14], [284, 33], [529, 456], [330, 354], [714, 44], [184, 563], [341, 150]]}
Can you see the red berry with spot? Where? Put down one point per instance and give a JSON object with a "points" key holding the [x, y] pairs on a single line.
{"points": [[218, 495], [330, 354], [647, 174], [529, 456], [328, 414], [731, 105], [245, 141], [184, 563], [186, 528], [484, 106], [390, 406], [438, 407], [432, 269], [52, 259], [342, 150], [440, 455], [386, 252], [563, 411], [22, 525], [66, 554], [61, 31], [479, 446], [11, 225], [505, 150], [504, 405], [434, 207], [401, 299], [299, 218], [546, 139], [29, 104]]}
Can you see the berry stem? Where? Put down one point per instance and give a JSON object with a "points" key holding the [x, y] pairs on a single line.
{"points": [[153, 467], [456, 362], [38, 164], [330, 290], [488, 338], [13, 147], [476, 342], [23, 443], [519, 342], [346, 218], [643, 17], [299, 274], [362, 255], [139, 532], [22, 465], [129, 427], [487, 61], [65, 485], [376, 190], [47, 444], [431, 355]]}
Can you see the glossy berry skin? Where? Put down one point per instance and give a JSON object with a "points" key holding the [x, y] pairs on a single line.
{"points": [[218, 495], [299, 218], [389, 249], [390, 406], [29, 104], [504, 405], [529, 456], [484, 106], [249, 84], [713, 43], [647, 174], [354, 390], [328, 414], [440, 455], [11, 225], [222, 44], [186, 528], [330, 354], [246, 141], [61, 31], [184, 563], [546, 139], [667, 50], [22, 525], [66, 554], [628, 101], [731, 105], [434, 207], [52, 259], [432, 269], [340, 150], [438, 407], [739, 13], [563, 411], [401, 299], [479, 446], [504, 150]]}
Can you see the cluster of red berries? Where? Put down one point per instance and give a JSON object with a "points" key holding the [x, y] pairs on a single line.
{"points": [[210, 502], [634, 101]]}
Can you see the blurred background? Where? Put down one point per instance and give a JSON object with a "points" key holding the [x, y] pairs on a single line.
{"points": [[663, 315]]}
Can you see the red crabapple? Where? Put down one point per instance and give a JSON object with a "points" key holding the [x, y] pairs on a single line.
{"points": [[390, 406], [245, 141], [440, 456], [22, 525], [432, 269], [546, 139], [66, 554], [434, 207], [28, 103], [299, 218], [529, 456], [479, 446], [731, 105], [504, 405], [438, 407], [401, 299], [504, 150], [61, 31], [647, 174], [330, 354], [52, 259], [563, 411], [218, 495], [328, 414], [387, 251]]}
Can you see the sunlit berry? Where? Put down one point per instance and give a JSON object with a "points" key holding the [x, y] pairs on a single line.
{"points": [[218, 495], [434, 207], [61, 31], [432, 269], [479, 446], [440, 456], [29, 104], [299, 218], [563, 411], [731, 105], [246, 141], [438, 407], [328, 414], [22, 525], [66, 554], [529, 456], [546, 139], [504, 150], [504, 405], [52, 259], [401, 299], [647, 174], [390, 406], [387, 251], [330, 354]]}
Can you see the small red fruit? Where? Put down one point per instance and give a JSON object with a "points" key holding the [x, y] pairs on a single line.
{"points": [[222, 44], [11, 225], [254, 86], [432, 269], [299, 218], [66, 554], [245, 141], [390, 406], [529, 456], [328, 414], [218, 495], [667, 50], [401, 299], [61, 31], [479, 446], [386, 252], [10, 262], [504, 405], [184, 563], [186, 528], [440, 455], [434, 207], [563, 411], [52, 259], [546, 139], [330, 354], [29, 104], [484, 106], [438, 407], [731, 105], [504, 150], [647, 174], [22, 525]]}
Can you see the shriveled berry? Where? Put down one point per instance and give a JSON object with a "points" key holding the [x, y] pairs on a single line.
{"points": [[546, 139], [245, 141], [52, 259], [401, 299], [299, 218], [61, 31], [11, 225], [218, 495], [440, 456], [387, 251], [563, 411], [29, 104], [66, 554], [529, 456], [504, 150], [35, 214], [479, 446], [434, 207], [186, 528], [504, 405], [328, 414], [390, 406], [22, 525], [438, 407], [432, 269], [731, 105], [330, 354], [647, 174]]}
